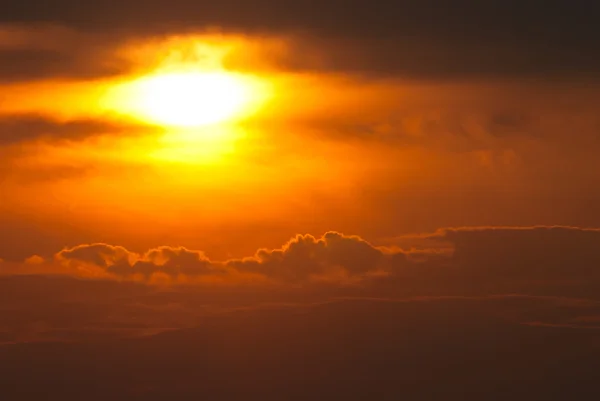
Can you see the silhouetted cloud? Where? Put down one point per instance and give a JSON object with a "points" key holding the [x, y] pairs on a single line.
{"points": [[306, 256], [118, 261], [302, 258], [457, 259]]}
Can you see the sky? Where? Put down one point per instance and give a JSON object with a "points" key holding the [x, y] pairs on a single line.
{"points": [[162, 163]]}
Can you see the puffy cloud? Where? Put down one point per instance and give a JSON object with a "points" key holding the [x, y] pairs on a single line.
{"points": [[306, 256], [33, 260], [120, 262], [95, 259], [170, 261], [101, 255], [302, 258]]}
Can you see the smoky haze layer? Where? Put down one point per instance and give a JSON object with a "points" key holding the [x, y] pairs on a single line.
{"points": [[353, 350], [465, 313]]}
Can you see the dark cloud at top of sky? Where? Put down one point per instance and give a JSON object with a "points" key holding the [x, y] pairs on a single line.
{"points": [[440, 58], [534, 21], [422, 39], [47, 50]]}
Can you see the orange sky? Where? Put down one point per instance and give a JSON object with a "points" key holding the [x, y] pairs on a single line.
{"points": [[282, 199], [302, 152], [299, 200]]}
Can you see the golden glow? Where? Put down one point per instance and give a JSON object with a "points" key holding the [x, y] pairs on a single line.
{"points": [[199, 169], [197, 145]]}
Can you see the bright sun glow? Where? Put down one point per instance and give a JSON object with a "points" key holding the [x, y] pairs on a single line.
{"points": [[191, 99], [187, 99], [199, 109]]}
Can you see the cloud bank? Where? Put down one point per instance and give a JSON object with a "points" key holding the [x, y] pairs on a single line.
{"points": [[455, 259]]}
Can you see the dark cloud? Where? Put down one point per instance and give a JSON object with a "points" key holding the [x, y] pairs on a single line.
{"points": [[431, 18], [16, 129], [426, 39], [529, 119], [439, 59], [556, 260], [47, 50], [534, 253]]}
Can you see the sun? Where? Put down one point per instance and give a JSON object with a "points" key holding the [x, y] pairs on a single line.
{"points": [[189, 99], [192, 99]]}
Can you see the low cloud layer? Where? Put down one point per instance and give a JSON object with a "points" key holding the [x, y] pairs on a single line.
{"points": [[462, 259], [512, 312], [302, 259]]}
